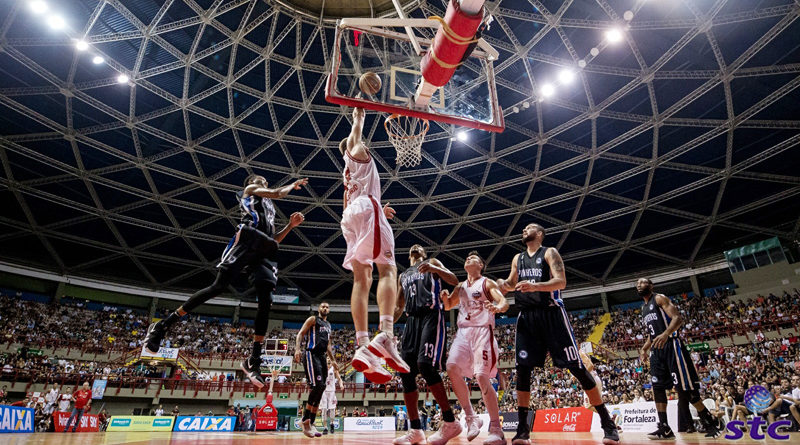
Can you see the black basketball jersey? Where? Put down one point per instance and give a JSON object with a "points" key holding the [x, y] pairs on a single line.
{"points": [[535, 269], [258, 213], [655, 320], [421, 291], [318, 336]]}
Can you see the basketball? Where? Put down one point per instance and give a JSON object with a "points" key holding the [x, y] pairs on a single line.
{"points": [[369, 82]]}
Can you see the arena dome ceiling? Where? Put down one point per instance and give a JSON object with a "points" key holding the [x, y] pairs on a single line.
{"points": [[668, 146]]}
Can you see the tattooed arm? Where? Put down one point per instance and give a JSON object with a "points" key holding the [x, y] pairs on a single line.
{"points": [[558, 279]]}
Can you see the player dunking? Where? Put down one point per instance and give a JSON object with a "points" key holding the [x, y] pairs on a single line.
{"points": [[328, 404], [369, 240], [317, 347], [424, 337], [255, 247], [537, 276], [474, 352], [670, 362]]}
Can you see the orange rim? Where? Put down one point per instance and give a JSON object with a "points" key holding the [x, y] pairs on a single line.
{"points": [[423, 130]]}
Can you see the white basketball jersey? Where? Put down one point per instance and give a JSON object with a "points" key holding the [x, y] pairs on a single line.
{"points": [[471, 300], [360, 179], [330, 381]]}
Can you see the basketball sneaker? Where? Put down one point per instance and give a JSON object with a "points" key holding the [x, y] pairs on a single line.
{"points": [[664, 432], [325, 432], [385, 345], [252, 370], [715, 429], [155, 334], [610, 434], [309, 430], [447, 431], [413, 437], [496, 436], [474, 425], [523, 437], [366, 362]]}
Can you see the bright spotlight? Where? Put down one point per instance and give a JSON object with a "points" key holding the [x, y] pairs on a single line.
{"points": [[547, 90], [123, 78], [38, 6], [97, 60], [594, 52], [628, 16], [56, 22], [582, 63], [614, 35], [462, 136], [81, 45], [566, 76]]}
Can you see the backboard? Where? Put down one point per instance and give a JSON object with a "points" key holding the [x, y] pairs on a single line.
{"points": [[383, 46]]}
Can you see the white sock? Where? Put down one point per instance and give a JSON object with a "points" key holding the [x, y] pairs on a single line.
{"points": [[362, 338], [387, 324]]}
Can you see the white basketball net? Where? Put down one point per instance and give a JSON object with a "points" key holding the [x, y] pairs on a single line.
{"points": [[407, 133]]}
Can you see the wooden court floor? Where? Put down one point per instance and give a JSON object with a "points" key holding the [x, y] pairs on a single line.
{"points": [[295, 438]]}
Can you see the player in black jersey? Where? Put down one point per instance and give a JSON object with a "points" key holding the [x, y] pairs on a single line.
{"points": [[254, 247], [424, 337], [537, 276], [670, 362], [318, 330]]}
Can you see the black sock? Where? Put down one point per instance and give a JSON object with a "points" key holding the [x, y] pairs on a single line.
{"points": [[313, 417], [416, 424], [306, 414], [523, 419], [256, 350], [662, 418], [171, 319], [705, 417], [602, 411], [448, 416]]}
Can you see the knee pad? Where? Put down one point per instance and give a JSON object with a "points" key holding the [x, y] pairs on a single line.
{"points": [[584, 377], [660, 395], [409, 382], [524, 378], [693, 395], [430, 374]]}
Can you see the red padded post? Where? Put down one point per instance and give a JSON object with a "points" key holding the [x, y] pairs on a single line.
{"points": [[445, 55]]}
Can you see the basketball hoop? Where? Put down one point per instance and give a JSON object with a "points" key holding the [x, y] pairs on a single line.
{"points": [[406, 133]]}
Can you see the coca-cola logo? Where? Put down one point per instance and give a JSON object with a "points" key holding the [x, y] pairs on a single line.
{"points": [[569, 427]]}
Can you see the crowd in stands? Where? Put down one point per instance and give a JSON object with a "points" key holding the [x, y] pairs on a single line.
{"points": [[725, 372]]}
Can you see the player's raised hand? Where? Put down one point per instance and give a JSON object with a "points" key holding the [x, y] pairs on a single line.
{"points": [[426, 266], [388, 211], [299, 183], [444, 294], [296, 219], [489, 306], [526, 286]]}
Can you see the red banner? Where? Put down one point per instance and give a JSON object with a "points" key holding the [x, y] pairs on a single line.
{"points": [[562, 419], [89, 422]]}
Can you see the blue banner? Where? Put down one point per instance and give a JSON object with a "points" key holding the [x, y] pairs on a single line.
{"points": [[204, 424], [98, 389], [14, 419]]}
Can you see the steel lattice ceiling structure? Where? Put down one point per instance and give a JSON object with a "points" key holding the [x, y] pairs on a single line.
{"points": [[668, 147]]}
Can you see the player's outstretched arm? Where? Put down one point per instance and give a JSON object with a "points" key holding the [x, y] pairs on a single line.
{"points": [[277, 193], [295, 220], [499, 303], [435, 266], [509, 283], [558, 279], [298, 345], [449, 300]]}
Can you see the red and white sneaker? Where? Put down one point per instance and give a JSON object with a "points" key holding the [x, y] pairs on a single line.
{"points": [[368, 363], [447, 431], [414, 437], [385, 345], [474, 425]]}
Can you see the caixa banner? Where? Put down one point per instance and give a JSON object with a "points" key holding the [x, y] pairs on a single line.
{"points": [[14, 419], [205, 424], [563, 420]]}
